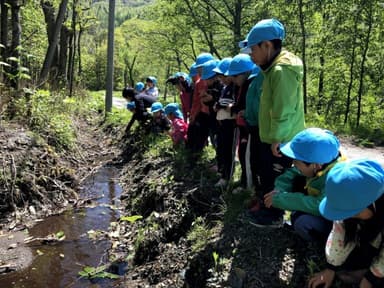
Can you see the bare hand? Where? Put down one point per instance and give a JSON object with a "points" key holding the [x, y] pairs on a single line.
{"points": [[275, 147], [324, 277], [365, 283], [268, 199]]}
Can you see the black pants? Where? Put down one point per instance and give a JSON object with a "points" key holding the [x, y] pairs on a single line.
{"points": [[243, 142], [225, 135], [271, 167], [255, 155], [198, 132]]}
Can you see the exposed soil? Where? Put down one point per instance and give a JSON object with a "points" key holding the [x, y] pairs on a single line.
{"points": [[172, 197]]}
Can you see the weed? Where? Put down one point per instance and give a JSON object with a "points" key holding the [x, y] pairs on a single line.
{"points": [[199, 234], [96, 272]]}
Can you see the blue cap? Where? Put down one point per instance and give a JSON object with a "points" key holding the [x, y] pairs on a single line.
{"points": [[264, 30], [183, 75], [223, 65], [312, 145], [151, 79], [351, 187], [156, 106], [193, 70], [208, 68], [202, 58], [255, 72], [174, 109], [139, 86], [241, 63], [131, 105]]}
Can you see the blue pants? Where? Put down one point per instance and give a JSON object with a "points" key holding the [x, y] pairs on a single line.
{"points": [[310, 227]]}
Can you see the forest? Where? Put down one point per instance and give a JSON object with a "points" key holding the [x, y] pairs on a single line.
{"points": [[63, 45], [164, 223]]}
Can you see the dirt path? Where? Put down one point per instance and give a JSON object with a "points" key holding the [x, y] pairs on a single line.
{"points": [[352, 151]]}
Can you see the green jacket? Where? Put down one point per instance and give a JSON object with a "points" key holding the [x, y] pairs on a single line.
{"points": [[289, 200], [253, 100], [281, 113]]}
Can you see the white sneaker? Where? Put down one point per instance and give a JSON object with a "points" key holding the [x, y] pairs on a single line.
{"points": [[221, 183]]}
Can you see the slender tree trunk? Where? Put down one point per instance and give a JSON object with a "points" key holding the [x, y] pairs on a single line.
{"points": [[351, 70], [52, 46], [111, 37], [73, 49], [3, 33], [362, 66], [320, 90], [15, 43], [303, 52], [80, 69]]}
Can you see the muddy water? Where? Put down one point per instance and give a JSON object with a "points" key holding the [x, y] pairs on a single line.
{"points": [[58, 265]]}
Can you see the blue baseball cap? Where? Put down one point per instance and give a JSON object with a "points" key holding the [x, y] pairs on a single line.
{"points": [[312, 145], [264, 30], [193, 70], [351, 187], [139, 86], [208, 68], [151, 79], [174, 109], [202, 58], [131, 105], [241, 63], [156, 106], [223, 65]]}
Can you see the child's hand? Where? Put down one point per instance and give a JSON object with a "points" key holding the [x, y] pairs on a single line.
{"points": [[268, 198], [365, 283], [322, 279]]}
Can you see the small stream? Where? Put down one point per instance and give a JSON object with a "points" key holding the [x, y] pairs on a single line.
{"points": [[60, 263]]}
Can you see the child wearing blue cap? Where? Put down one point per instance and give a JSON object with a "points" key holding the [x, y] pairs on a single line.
{"points": [[226, 143], [354, 200], [141, 103], [300, 189], [240, 69], [281, 110], [179, 126], [151, 89], [160, 122], [183, 83]]}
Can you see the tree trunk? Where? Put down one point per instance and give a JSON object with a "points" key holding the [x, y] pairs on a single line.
{"points": [[362, 66], [15, 43], [3, 33], [53, 45], [303, 52], [111, 37], [65, 35], [71, 64]]}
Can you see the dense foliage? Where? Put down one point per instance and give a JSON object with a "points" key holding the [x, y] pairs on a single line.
{"points": [[341, 43]]}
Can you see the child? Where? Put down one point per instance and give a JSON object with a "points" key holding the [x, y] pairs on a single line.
{"points": [[183, 83], [281, 110], [354, 200], [139, 87], [240, 69], [179, 126], [160, 122], [152, 90], [142, 102], [300, 189], [226, 124]]}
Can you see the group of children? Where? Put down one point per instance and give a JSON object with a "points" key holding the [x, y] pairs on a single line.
{"points": [[253, 102]]}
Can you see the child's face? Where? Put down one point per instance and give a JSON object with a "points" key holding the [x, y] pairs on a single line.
{"points": [[259, 54], [149, 84], [157, 114], [239, 79], [306, 170]]}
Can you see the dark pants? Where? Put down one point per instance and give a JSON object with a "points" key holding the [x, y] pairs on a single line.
{"points": [[255, 156], [310, 227], [198, 131], [225, 135], [271, 167], [243, 142]]}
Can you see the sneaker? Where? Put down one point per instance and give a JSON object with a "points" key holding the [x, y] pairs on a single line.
{"points": [[221, 183], [254, 205], [266, 218]]}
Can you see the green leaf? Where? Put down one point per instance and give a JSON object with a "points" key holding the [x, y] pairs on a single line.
{"points": [[4, 64], [60, 234], [131, 219], [14, 59]]}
